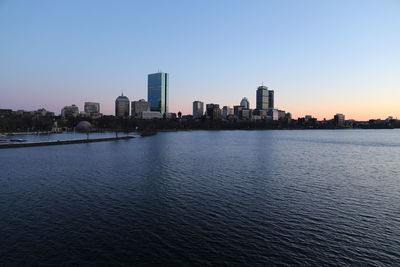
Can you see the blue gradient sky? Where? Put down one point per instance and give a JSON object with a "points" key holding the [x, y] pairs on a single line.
{"points": [[320, 57]]}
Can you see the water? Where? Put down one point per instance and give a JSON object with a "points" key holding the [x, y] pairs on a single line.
{"points": [[232, 198]]}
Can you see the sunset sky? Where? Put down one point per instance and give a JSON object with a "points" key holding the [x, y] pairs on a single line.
{"points": [[320, 57]]}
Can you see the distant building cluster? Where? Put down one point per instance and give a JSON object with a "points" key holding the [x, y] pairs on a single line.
{"points": [[264, 110], [91, 109], [157, 107], [6, 113]]}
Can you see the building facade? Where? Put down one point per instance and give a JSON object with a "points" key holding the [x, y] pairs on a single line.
{"points": [[262, 98], [213, 111], [245, 103], [226, 111], [157, 92], [237, 111], [339, 120], [92, 107], [198, 109], [139, 106], [70, 111], [149, 115], [122, 106], [270, 99]]}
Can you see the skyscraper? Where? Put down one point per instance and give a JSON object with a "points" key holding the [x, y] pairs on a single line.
{"points": [[245, 103], [270, 99], [122, 106], [198, 109], [157, 92], [262, 98]]}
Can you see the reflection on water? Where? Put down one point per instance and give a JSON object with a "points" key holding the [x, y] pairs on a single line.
{"points": [[205, 197]]}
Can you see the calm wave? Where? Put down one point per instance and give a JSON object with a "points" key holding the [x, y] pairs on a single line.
{"points": [[250, 198]]}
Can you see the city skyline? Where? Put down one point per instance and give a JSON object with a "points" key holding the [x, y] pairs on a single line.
{"points": [[319, 58]]}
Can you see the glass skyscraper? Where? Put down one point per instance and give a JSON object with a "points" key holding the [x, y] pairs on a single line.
{"points": [[198, 109], [157, 92]]}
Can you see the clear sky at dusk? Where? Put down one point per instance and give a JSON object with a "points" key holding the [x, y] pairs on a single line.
{"points": [[320, 57]]}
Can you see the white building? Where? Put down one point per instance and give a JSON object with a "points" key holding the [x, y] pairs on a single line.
{"points": [[139, 106], [148, 115]]}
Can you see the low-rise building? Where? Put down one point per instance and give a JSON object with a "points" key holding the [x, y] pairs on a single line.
{"points": [[70, 111], [245, 114], [339, 120], [226, 111], [139, 106], [237, 111], [148, 115], [5, 113]]}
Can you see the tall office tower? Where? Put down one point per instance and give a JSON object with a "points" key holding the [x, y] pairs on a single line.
{"points": [[262, 98], [92, 107], [139, 106], [245, 103], [198, 109], [270, 99], [122, 106], [157, 92]]}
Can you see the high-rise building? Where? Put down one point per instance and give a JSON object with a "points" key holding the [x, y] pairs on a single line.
{"points": [[245, 103], [139, 106], [70, 111], [262, 98], [198, 109], [270, 99], [122, 106], [92, 108], [213, 111], [157, 92]]}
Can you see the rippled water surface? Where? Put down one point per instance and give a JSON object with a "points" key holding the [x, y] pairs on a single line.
{"points": [[250, 198]]}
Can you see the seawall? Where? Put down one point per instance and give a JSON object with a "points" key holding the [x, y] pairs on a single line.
{"points": [[64, 142]]}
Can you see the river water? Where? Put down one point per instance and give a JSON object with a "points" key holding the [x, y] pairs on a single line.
{"points": [[236, 198]]}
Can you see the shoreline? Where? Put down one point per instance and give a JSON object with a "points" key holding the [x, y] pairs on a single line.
{"points": [[64, 142], [2, 135]]}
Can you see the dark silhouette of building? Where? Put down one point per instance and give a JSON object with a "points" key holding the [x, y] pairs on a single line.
{"points": [[262, 98], [213, 111], [198, 109], [122, 106]]}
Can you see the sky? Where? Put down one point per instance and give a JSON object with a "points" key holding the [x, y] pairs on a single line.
{"points": [[320, 57]]}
